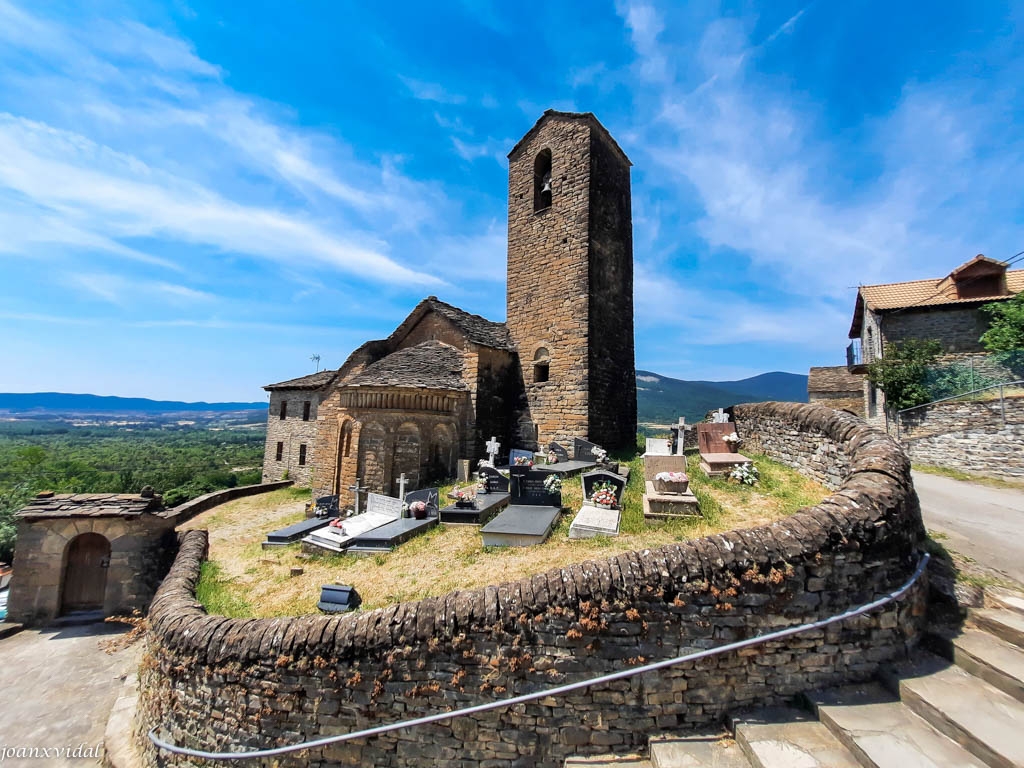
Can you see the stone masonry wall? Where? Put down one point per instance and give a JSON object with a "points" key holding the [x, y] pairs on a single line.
{"points": [[292, 432], [958, 328], [219, 683], [140, 551], [612, 415], [969, 436], [548, 278]]}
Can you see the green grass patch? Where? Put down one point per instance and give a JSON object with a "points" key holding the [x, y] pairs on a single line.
{"points": [[215, 592]]}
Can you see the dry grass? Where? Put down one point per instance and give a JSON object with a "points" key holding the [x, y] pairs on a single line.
{"points": [[244, 580]]}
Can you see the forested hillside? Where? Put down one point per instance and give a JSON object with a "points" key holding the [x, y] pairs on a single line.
{"points": [[181, 462]]}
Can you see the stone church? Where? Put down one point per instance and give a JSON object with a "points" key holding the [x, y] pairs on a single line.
{"points": [[561, 366]]}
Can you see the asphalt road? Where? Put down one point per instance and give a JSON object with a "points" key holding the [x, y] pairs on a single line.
{"points": [[985, 524]]}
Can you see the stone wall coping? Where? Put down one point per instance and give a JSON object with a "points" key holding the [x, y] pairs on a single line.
{"points": [[874, 507], [188, 510]]}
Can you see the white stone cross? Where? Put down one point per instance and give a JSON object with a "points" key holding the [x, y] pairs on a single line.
{"points": [[357, 489], [402, 480], [493, 446], [682, 422], [721, 417]]}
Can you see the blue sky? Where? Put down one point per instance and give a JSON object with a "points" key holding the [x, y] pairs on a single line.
{"points": [[196, 197]]}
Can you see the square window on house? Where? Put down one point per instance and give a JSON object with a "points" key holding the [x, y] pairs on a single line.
{"points": [[284, 408], [280, 451], [302, 454], [305, 410]]}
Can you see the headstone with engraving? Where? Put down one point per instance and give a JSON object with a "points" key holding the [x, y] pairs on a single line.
{"points": [[561, 455], [496, 482], [657, 446], [583, 450], [528, 488], [529, 519]]}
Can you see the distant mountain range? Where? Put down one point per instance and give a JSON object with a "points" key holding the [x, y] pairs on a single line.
{"points": [[61, 402], [662, 400]]}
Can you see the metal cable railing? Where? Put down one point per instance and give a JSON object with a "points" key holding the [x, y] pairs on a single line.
{"points": [[558, 691]]}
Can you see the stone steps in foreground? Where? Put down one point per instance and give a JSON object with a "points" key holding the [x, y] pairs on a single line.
{"points": [[1005, 624], [783, 737], [608, 761], [881, 732], [983, 719], [716, 750], [1003, 598], [992, 659]]}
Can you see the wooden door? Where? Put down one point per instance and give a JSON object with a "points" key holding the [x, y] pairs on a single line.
{"points": [[85, 578]]}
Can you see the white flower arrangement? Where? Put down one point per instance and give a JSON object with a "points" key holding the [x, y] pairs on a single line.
{"points": [[732, 438], [600, 454], [672, 477], [553, 484], [746, 474]]}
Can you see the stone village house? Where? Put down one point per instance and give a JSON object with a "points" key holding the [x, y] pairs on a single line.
{"points": [[946, 309], [561, 366]]}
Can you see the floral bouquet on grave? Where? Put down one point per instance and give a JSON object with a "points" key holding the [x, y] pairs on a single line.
{"points": [[746, 474], [523, 461], [463, 497], [604, 496], [552, 457], [553, 484], [600, 454], [732, 441], [418, 510], [671, 482]]}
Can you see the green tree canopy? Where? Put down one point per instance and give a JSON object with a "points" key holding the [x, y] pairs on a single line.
{"points": [[902, 372], [1006, 325]]}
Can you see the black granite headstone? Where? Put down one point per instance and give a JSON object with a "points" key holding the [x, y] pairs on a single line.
{"points": [[560, 453], [583, 450], [496, 482], [326, 506], [429, 495], [599, 477], [338, 598], [528, 489]]}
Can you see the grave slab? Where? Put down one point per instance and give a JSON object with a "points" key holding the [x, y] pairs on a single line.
{"points": [[388, 536], [569, 468], [715, 464], [668, 506], [520, 525], [593, 521], [496, 482], [338, 539], [292, 533], [486, 506]]}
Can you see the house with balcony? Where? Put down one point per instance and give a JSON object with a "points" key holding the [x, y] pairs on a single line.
{"points": [[946, 309]]}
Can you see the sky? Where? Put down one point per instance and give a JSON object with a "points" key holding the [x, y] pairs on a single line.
{"points": [[197, 197]]}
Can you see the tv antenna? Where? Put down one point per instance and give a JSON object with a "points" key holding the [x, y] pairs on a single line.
{"points": [[316, 359]]}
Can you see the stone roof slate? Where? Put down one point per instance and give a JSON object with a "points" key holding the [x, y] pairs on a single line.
{"points": [[90, 505], [313, 381], [430, 365], [836, 378], [478, 329], [590, 117]]}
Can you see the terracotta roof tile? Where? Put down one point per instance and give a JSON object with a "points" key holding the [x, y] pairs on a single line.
{"points": [[928, 293]]}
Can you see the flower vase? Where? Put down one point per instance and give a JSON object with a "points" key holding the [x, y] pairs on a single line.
{"points": [[667, 486], [733, 447]]}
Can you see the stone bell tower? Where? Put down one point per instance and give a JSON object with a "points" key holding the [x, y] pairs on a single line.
{"points": [[570, 282]]}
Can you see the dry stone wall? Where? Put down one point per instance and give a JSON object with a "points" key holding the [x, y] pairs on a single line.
{"points": [[982, 436], [293, 433], [219, 683]]}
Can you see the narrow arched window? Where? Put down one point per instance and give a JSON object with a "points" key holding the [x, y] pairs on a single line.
{"points": [[541, 366], [542, 181]]}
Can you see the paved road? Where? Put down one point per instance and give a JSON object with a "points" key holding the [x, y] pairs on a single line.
{"points": [[985, 524], [57, 687]]}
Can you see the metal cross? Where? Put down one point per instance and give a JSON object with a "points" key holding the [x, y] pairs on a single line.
{"points": [[493, 446], [357, 489]]}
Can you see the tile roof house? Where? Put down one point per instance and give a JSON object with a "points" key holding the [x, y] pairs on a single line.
{"points": [[945, 309]]}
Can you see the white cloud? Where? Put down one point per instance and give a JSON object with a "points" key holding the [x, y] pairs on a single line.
{"points": [[425, 91]]}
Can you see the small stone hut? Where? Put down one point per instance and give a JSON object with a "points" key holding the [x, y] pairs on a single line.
{"points": [[89, 553], [837, 388]]}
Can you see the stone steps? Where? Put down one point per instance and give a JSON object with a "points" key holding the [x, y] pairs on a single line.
{"points": [[929, 713]]}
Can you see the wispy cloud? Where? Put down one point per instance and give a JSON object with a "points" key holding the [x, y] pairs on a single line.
{"points": [[425, 91]]}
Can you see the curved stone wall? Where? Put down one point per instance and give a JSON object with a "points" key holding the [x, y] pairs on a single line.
{"points": [[218, 683]]}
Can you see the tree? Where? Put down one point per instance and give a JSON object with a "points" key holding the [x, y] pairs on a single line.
{"points": [[1006, 325], [901, 373]]}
